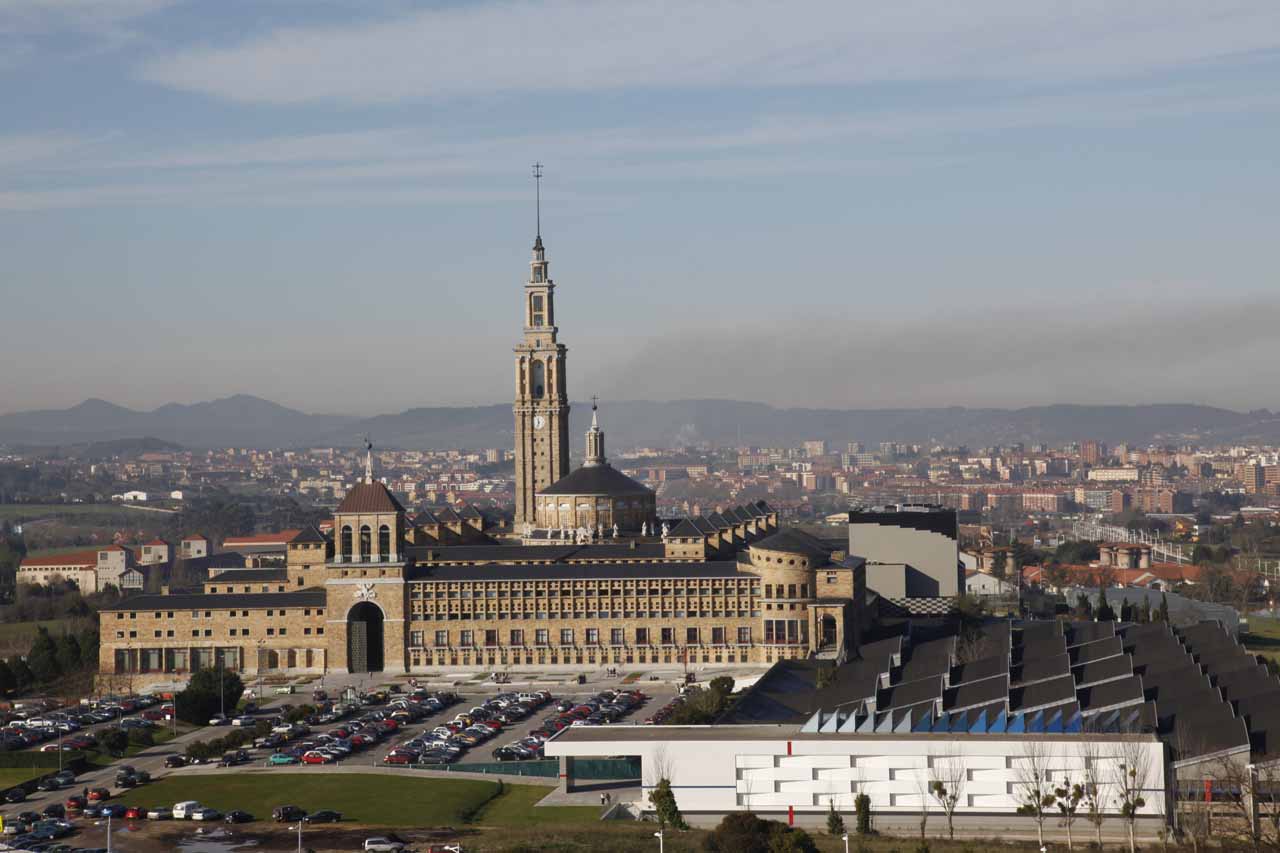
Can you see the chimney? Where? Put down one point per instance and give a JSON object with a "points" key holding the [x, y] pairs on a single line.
{"points": [[164, 589]]}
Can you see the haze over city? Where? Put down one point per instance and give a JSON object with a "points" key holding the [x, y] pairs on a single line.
{"points": [[845, 205]]}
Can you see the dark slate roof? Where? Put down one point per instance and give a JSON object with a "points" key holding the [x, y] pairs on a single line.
{"points": [[249, 576], [1102, 670], [793, 541], [426, 516], [580, 571], [685, 530], [1120, 692], [987, 691], [1054, 691], [1095, 650], [607, 551], [194, 601], [469, 511], [1040, 669], [369, 498], [311, 534], [446, 515], [597, 480], [909, 693]]}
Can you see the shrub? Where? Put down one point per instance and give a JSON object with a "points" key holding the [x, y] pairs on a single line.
{"points": [[862, 807]]}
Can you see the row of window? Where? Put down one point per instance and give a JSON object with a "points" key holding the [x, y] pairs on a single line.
{"points": [[208, 614], [589, 592], [480, 616], [231, 632], [591, 637], [789, 591]]}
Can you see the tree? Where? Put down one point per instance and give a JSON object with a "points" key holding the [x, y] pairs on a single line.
{"points": [[664, 806], [1084, 607], [68, 653], [1096, 788], [1068, 795], [89, 650], [947, 775], [1143, 614], [43, 657], [1162, 613], [1035, 792], [862, 811], [7, 681], [1126, 612], [744, 832], [835, 823], [999, 564], [1104, 611], [23, 677], [208, 692], [115, 740], [1130, 775]]}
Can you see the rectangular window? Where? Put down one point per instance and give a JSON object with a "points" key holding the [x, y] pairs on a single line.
{"points": [[615, 636], [744, 636], [442, 639], [642, 636], [804, 590], [271, 632], [768, 590], [465, 639], [593, 636], [717, 636], [566, 636], [668, 636], [791, 590], [793, 631], [490, 638], [517, 637], [768, 631], [415, 638], [691, 636]]}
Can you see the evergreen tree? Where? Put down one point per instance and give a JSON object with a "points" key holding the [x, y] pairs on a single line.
{"points": [[89, 650], [208, 692], [664, 806], [43, 657], [835, 823], [1126, 612], [23, 678], [1144, 612], [1162, 614], [68, 653], [1105, 613], [7, 681], [1084, 606]]}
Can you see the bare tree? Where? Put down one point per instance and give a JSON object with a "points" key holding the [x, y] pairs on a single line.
{"points": [[1266, 787], [1239, 783], [1069, 795], [1130, 776], [947, 774], [1097, 787], [923, 788], [1035, 789]]}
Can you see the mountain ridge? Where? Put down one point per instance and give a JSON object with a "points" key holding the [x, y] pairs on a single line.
{"points": [[243, 420]]}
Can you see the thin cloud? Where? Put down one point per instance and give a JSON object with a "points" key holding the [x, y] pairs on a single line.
{"points": [[575, 46]]}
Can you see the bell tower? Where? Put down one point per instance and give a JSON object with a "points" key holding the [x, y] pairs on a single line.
{"points": [[541, 401]]}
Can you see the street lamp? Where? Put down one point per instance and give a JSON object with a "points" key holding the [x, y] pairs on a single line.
{"points": [[299, 836], [658, 835], [845, 839], [108, 832]]}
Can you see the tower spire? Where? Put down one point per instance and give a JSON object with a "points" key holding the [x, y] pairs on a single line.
{"points": [[368, 460], [537, 182], [595, 440]]}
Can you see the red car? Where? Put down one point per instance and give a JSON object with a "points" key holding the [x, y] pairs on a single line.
{"points": [[75, 803], [135, 813], [97, 795], [316, 758], [399, 758]]}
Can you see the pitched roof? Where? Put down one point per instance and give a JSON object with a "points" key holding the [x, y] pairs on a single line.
{"points": [[369, 498], [278, 538], [158, 542], [74, 558], [792, 541], [597, 480], [310, 533]]}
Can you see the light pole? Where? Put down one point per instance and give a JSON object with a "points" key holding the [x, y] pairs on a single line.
{"points": [[658, 835], [299, 835], [845, 839], [108, 832]]}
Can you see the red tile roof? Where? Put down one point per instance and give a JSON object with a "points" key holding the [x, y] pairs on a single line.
{"points": [[280, 538], [76, 558]]}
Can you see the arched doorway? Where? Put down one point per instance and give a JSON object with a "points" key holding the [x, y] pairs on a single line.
{"points": [[827, 631], [364, 638]]}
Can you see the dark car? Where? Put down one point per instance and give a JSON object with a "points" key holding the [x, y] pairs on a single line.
{"points": [[175, 761], [75, 802], [238, 816], [285, 814], [323, 816], [54, 810], [48, 783], [113, 810], [15, 795]]}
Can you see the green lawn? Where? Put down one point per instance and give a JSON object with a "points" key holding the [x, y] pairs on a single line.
{"points": [[13, 776], [373, 799], [515, 807], [25, 632], [31, 512]]}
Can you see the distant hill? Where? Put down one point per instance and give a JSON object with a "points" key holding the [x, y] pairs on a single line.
{"points": [[245, 421], [126, 447]]}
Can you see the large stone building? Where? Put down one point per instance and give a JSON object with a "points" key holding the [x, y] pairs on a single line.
{"points": [[590, 576]]}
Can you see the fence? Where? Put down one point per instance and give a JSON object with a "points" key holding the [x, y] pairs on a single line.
{"points": [[588, 769]]}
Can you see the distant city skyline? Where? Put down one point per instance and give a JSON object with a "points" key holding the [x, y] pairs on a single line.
{"points": [[838, 205]]}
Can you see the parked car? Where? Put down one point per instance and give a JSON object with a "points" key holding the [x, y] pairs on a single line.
{"points": [[323, 816], [282, 758], [97, 795], [238, 816], [135, 813], [160, 813], [382, 845], [173, 761], [15, 795], [206, 814], [184, 809], [287, 814]]}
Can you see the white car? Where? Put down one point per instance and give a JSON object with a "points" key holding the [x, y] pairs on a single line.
{"points": [[219, 720], [160, 814], [185, 809], [382, 845], [206, 814]]}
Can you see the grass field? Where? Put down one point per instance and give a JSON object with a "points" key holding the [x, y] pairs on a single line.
{"points": [[12, 776], [515, 807], [372, 799], [31, 512]]}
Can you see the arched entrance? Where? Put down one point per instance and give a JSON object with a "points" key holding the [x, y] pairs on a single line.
{"points": [[364, 638], [827, 631]]}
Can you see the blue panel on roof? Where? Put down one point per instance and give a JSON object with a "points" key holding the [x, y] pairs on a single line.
{"points": [[1075, 725], [1108, 722], [960, 722], [868, 724], [1036, 723], [924, 723], [979, 724], [943, 724], [1017, 724], [811, 725], [1000, 724], [1054, 724]]}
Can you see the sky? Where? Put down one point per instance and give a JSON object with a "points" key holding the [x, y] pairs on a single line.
{"points": [[839, 203]]}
